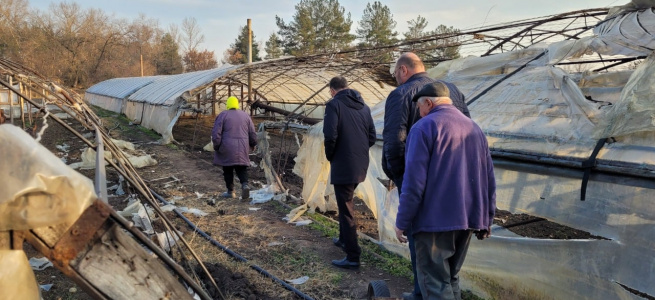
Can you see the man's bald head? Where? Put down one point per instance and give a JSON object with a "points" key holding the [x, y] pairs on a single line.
{"points": [[406, 66], [411, 61]]}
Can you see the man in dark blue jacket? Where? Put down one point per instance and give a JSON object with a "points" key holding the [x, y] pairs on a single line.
{"points": [[449, 191], [349, 133], [400, 113]]}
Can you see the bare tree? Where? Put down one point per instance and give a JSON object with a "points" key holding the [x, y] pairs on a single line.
{"points": [[191, 34]]}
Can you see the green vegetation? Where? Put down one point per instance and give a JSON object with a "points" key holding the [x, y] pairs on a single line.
{"points": [[122, 123]]}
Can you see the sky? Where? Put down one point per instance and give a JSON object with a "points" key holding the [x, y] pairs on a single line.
{"points": [[220, 19]]}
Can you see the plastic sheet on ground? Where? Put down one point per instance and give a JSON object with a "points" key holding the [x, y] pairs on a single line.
{"points": [[167, 239], [299, 280], [89, 158], [262, 195], [40, 264]]}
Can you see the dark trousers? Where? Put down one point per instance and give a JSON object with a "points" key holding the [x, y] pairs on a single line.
{"points": [[228, 174], [398, 181], [347, 222], [439, 257]]}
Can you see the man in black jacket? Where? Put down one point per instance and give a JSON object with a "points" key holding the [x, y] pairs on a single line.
{"points": [[349, 133], [400, 113]]}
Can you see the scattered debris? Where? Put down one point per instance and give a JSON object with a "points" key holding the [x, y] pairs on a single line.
{"points": [[39, 264], [262, 195], [299, 280], [167, 239], [254, 208], [271, 244], [45, 287]]}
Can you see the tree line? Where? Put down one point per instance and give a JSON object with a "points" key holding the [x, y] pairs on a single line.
{"points": [[81, 47], [323, 26]]}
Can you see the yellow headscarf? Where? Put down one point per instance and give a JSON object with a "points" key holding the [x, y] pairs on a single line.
{"points": [[232, 102]]}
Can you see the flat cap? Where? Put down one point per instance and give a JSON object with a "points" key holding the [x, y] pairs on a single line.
{"points": [[435, 89]]}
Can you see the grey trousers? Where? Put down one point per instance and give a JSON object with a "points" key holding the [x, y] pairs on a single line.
{"points": [[439, 257]]}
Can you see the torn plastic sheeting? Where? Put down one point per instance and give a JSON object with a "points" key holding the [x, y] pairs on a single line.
{"points": [[635, 111], [22, 283], [627, 34], [40, 264], [262, 195], [196, 212], [167, 240], [89, 160], [142, 220], [299, 280], [46, 287], [37, 189]]}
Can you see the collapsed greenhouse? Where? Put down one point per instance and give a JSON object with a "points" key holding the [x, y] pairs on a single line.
{"points": [[566, 102]]}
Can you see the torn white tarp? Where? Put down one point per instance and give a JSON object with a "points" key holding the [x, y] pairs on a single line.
{"points": [[628, 33], [36, 190], [89, 159]]}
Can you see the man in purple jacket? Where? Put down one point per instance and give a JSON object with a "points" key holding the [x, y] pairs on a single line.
{"points": [[400, 113], [449, 191], [349, 133], [234, 137]]}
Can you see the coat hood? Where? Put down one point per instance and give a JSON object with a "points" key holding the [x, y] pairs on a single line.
{"points": [[350, 98]]}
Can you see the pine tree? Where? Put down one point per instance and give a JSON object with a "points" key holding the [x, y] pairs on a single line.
{"points": [[273, 49], [168, 61], [317, 26], [377, 26], [446, 47], [238, 51], [415, 28]]}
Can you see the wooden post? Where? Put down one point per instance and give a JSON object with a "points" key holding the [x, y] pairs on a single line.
{"points": [[214, 99], [11, 101], [198, 99], [29, 108], [249, 63], [242, 97], [22, 104]]}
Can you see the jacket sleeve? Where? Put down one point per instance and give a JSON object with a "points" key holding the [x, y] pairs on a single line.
{"points": [[217, 131], [491, 189], [395, 132], [252, 134], [330, 129], [415, 179], [372, 136]]}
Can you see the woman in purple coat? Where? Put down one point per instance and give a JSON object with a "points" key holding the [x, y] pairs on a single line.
{"points": [[234, 137]]}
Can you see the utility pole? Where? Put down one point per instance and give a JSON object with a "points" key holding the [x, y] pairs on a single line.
{"points": [[249, 62]]}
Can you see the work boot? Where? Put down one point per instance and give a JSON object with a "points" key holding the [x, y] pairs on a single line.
{"points": [[345, 263], [229, 194], [245, 191]]}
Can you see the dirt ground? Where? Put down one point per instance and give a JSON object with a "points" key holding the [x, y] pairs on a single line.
{"points": [[185, 175]]}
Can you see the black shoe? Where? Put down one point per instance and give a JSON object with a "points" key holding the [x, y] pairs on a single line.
{"points": [[345, 263], [339, 244], [245, 192]]}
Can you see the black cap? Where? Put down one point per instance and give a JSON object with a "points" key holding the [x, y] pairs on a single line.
{"points": [[435, 89]]}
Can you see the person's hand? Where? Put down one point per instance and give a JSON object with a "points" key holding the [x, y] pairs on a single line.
{"points": [[400, 235], [483, 234]]}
